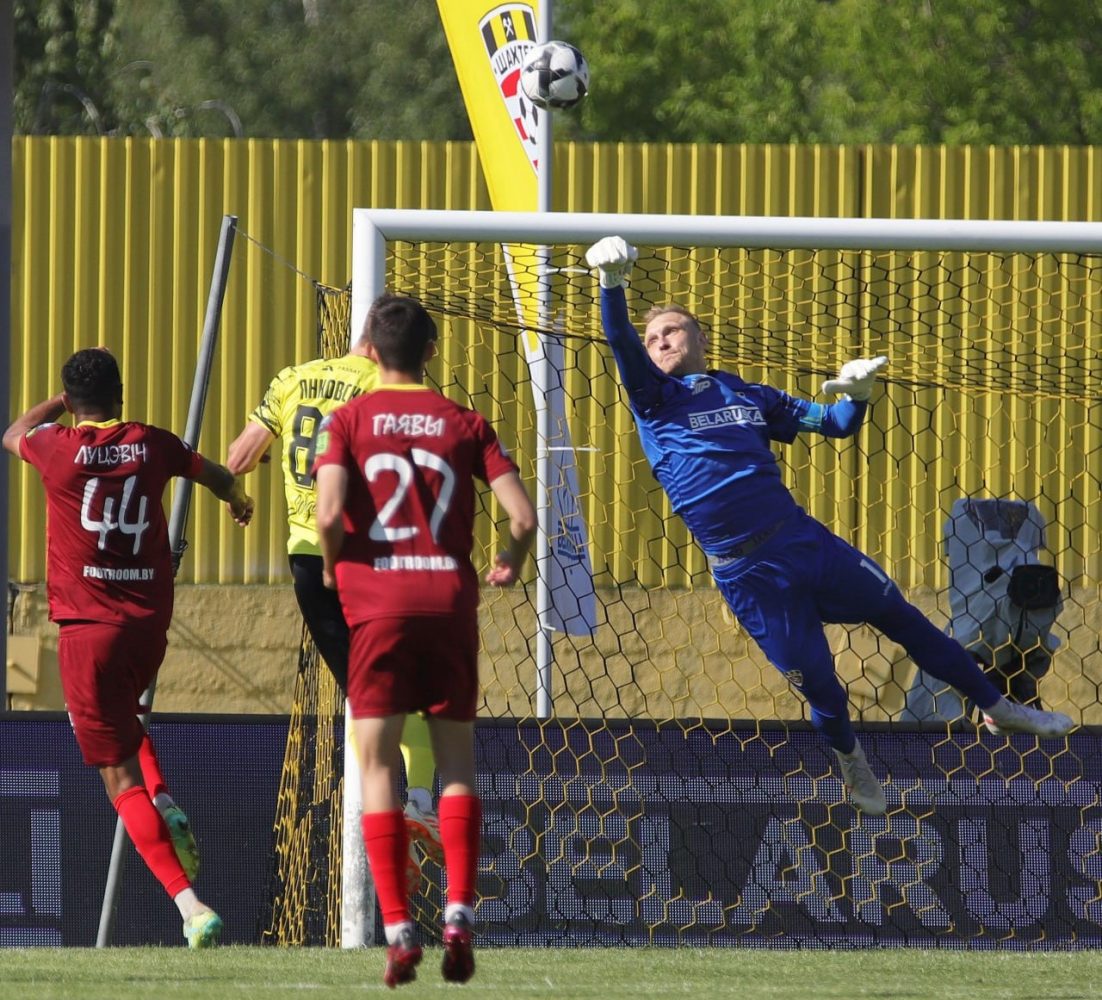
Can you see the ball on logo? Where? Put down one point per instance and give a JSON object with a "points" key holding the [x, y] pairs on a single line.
{"points": [[554, 75]]}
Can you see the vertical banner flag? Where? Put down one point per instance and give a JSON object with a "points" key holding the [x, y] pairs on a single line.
{"points": [[489, 41]]}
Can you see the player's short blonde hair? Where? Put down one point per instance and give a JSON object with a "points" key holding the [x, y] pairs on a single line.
{"points": [[671, 307]]}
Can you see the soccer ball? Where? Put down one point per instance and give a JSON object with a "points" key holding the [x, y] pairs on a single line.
{"points": [[554, 75]]}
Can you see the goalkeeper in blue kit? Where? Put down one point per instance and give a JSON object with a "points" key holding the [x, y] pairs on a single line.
{"points": [[707, 436]]}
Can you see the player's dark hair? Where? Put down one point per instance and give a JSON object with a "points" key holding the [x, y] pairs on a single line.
{"points": [[400, 329], [91, 379]]}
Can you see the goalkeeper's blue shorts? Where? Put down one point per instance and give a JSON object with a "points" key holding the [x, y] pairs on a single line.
{"points": [[804, 576]]}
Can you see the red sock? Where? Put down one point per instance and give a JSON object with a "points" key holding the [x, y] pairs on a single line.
{"points": [[150, 836], [387, 844], [461, 830], [151, 768]]}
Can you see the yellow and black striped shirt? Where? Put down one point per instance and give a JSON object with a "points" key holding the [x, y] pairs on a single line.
{"points": [[297, 401]]}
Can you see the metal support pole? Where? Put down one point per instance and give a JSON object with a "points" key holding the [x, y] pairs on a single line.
{"points": [[176, 525], [182, 500], [545, 136]]}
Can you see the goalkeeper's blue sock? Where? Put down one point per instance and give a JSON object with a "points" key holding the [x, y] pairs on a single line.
{"points": [[937, 654]]}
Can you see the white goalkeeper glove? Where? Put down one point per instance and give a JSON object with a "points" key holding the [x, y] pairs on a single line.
{"points": [[856, 378], [613, 257]]}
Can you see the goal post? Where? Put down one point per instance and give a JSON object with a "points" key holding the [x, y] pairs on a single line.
{"points": [[994, 330], [374, 227]]}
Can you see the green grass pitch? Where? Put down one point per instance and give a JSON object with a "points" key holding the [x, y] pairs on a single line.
{"points": [[563, 974]]}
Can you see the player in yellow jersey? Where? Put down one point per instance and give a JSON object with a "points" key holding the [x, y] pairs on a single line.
{"points": [[296, 402]]}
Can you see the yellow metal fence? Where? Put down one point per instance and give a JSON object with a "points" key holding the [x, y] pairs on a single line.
{"points": [[114, 242]]}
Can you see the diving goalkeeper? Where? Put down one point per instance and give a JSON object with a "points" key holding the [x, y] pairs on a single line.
{"points": [[707, 436]]}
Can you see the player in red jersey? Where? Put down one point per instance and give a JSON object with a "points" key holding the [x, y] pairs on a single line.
{"points": [[294, 406], [395, 515], [109, 585]]}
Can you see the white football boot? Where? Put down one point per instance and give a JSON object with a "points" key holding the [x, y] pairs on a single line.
{"points": [[424, 829], [865, 790], [1009, 717]]}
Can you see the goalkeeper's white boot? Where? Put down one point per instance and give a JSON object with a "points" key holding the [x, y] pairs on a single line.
{"points": [[1009, 717], [865, 790]]}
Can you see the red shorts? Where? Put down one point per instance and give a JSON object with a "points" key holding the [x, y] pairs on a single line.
{"points": [[424, 663], [104, 670]]}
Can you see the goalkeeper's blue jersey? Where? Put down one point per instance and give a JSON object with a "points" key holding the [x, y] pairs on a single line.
{"points": [[707, 437]]}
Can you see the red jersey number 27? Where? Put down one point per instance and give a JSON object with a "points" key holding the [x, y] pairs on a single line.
{"points": [[383, 530], [127, 524]]}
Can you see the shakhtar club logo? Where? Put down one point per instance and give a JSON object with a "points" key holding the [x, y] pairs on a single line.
{"points": [[509, 32]]}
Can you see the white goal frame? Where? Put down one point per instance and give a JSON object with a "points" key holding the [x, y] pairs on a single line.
{"points": [[373, 228]]}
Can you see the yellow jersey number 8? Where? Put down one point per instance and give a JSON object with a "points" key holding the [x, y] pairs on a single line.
{"points": [[303, 444]]}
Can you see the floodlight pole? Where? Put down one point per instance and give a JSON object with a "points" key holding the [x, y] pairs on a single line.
{"points": [[541, 374], [181, 504], [545, 135], [357, 885]]}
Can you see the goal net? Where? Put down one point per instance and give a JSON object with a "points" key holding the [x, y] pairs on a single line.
{"points": [[647, 775], [304, 894]]}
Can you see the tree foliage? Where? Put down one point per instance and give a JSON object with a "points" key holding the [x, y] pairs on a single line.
{"points": [[279, 68], [847, 71], [64, 52], [838, 71], [1004, 71]]}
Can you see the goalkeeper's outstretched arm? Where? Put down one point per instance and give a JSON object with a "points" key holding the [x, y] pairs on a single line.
{"points": [[855, 383], [613, 258], [640, 375], [842, 419], [856, 378]]}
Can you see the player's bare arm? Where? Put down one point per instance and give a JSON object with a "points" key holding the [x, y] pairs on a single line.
{"points": [[249, 448], [332, 485], [41, 413], [513, 497], [228, 487]]}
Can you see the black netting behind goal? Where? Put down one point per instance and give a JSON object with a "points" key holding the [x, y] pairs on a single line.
{"points": [[303, 905]]}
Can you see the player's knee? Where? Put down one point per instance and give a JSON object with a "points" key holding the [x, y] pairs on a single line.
{"points": [[821, 689]]}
